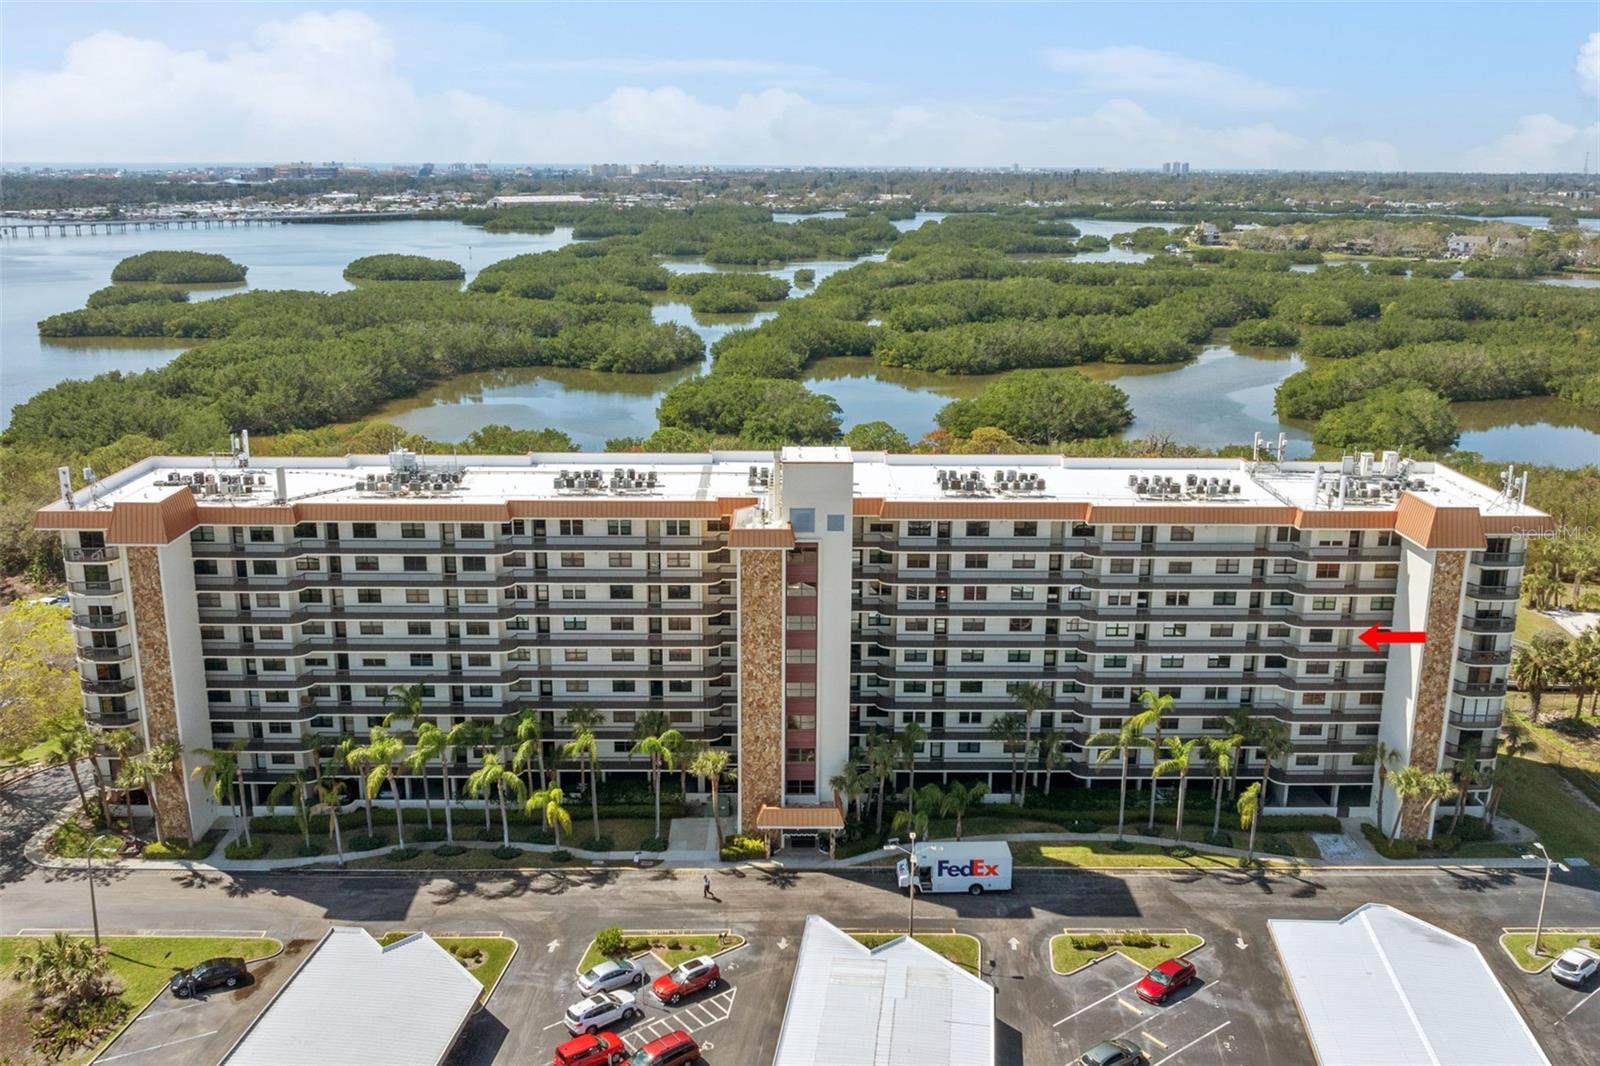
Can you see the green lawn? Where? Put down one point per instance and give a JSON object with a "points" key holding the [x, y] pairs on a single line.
{"points": [[471, 859], [1093, 853], [1520, 945], [36, 754], [688, 946], [1530, 622], [496, 952], [1540, 800], [1065, 956], [959, 948], [143, 965]]}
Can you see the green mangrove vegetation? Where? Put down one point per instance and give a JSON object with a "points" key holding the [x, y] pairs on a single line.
{"points": [[403, 268], [178, 268]]}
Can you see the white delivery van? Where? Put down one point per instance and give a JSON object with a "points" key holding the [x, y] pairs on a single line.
{"points": [[975, 867]]}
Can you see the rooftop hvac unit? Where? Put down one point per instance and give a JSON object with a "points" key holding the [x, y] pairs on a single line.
{"points": [[1364, 464], [1391, 464], [1347, 465], [1236, 489]]}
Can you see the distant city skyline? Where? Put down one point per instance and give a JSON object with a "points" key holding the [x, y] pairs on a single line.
{"points": [[1420, 87]]}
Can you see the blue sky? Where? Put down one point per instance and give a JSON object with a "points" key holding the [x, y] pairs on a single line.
{"points": [[1283, 85]]}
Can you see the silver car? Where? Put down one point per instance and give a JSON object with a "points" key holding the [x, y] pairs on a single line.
{"points": [[613, 973], [601, 1011]]}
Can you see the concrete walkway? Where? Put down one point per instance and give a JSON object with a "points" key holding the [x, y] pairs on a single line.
{"points": [[693, 835]]}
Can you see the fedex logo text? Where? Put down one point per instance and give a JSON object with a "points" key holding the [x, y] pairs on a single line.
{"points": [[975, 868]]}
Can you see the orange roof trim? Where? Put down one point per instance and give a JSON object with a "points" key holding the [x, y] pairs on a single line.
{"points": [[825, 817]]}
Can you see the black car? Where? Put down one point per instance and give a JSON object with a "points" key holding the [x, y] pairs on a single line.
{"points": [[213, 973]]}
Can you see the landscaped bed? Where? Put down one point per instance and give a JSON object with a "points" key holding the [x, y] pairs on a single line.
{"points": [[959, 948], [1518, 943], [668, 948], [1105, 853], [141, 965], [485, 957], [1076, 948]]}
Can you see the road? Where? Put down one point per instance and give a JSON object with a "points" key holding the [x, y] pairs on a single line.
{"points": [[553, 913]]}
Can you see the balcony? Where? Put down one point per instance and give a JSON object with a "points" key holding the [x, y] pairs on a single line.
{"points": [[95, 588], [1490, 623], [1493, 592], [92, 555], [120, 686], [1499, 558], [111, 719], [1480, 688], [106, 655], [1476, 719], [1484, 657], [1485, 752], [100, 621]]}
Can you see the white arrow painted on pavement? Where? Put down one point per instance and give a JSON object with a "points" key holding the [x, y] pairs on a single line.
{"points": [[783, 943], [551, 947], [1013, 943], [1239, 943]]}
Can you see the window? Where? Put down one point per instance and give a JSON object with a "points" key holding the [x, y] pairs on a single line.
{"points": [[1320, 636], [1175, 629], [803, 519], [975, 562], [1019, 655], [677, 527], [1025, 529], [1227, 566], [1307, 760], [1022, 592], [919, 529], [479, 660], [1219, 662], [624, 686], [413, 530], [800, 621], [1180, 568], [577, 686], [421, 658], [474, 564], [205, 567], [308, 563], [1314, 699], [417, 596], [1172, 662], [1024, 562], [1214, 693], [573, 560], [1177, 599], [364, 530], [369, 595], [261, 535], [621, 625], [203, 534], [275, 666], [1383, 603], [414, 564], [1121, 566], [1221, 631], [679, 592], [574, 625], [1183, 533], [619, 527], [680, 625], [1327, 571], [1117, 629], [480, 692], [1124, 533], [1281, 599], [1114, 662], [574, 592], [280, 728], [571, 527], [679, 560], [914, 687], [974, 625], [1324, 603], [1021, 625], [919, 561], [977, 529], [277, 696], [836, 523], [622, 592], [915, 655], [476, 597], [471, 531]]}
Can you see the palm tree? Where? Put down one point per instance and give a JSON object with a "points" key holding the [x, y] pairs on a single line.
{"points": [[1538, 665], [1009, 729], [683, 753], [1052, 756], [159, 762], [130, 776], [1031, 697], [71, 744], [1221, 752], [659, 746], [349, 754], [1382, 756], [711, 765], [1240, 724], [851, 782], [1155, 708], [1272, 741], [430, 745], [382, 753], [909, 742], [1249, 807], [120, 742], [223, 774], [1180, 752], [459, 735], [586, 750], [405, 703], [494, 776], [1500, 775], [528, 731], [1409, 783], [330, 794], [547, 801], [1465, 774], [1581, 669], [1120, 744], [293, 787], [909, 821], [65, 967], [882, 757], [958, 799]]}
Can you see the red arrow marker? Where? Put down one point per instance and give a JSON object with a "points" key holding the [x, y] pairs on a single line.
{"points": [[1374, 637]]}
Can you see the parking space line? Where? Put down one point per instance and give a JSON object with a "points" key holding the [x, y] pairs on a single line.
{"points": [[1129, 1006], [1192, 1043], [1581, 1002], [147, 1015], [1162, 1044], [158, 1047], [1096, 1003]]}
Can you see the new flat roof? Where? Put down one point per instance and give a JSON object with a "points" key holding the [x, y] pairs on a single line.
{"points": [[354, 1003], [1380, 985], [899, 1004]]}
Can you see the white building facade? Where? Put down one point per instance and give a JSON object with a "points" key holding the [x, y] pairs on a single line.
{"points": [[786, 605]]}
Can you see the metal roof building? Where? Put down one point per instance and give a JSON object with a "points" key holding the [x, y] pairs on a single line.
{"points": [[354, 1002], [899, 1004], [1380, 985]]}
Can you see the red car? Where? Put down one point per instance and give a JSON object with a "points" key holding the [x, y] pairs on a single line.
{"points": [[591, 1049], [1164, 980], [674, 1049], [689, 978]]}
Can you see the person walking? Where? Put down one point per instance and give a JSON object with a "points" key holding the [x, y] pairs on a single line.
{"points": [[705, 887]]}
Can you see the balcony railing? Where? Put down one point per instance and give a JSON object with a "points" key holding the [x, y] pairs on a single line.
{"points": [[113, 687], [1493, 592], [1499, 558], [1492, 623], [95, 588], [1480, 688], [106, 655], [1484, 657], [1476, 719], [100, 621], [92, 555]]}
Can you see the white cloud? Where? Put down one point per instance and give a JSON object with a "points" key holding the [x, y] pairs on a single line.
{"points": [[1589, 65], [1132, 70], [328, 86], [645, 68], [1539, 143]]}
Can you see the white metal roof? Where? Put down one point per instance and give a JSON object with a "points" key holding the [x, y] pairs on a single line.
{"points": [[353, 1002], [899, 1004], [1380, 985]]}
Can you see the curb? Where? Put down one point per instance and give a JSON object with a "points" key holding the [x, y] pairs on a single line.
{"points": [[743, 941], [1506, 931], [895, 933], [1117, 950]]}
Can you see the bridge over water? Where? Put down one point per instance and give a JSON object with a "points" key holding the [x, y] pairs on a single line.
{"points": [[77, 227]]}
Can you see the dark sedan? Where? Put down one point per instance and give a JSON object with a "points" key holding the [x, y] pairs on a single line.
{"points": [[213, 973]]}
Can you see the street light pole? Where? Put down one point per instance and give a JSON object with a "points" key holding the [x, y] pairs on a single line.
{"points": [[94, 910], [1538, 928], [911, 877]]}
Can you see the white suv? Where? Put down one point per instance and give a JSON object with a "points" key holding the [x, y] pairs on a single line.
{"points": [[600, 1011]]}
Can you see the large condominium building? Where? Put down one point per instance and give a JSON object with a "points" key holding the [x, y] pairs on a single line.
{"points": [[785, 606]]}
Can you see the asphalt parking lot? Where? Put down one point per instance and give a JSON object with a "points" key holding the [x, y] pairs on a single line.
{"points": [[736, 1024], [204, 1027]]}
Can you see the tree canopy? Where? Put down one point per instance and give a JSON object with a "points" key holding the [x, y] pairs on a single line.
{"points": [[175, 268]]}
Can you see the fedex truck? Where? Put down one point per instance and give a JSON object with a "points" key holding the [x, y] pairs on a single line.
{"points": [[959, 866]]}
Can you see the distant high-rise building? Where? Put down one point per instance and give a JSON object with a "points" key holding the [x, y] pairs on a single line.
{"points": [[1186, 170], [425, 170], [1166, 168]]}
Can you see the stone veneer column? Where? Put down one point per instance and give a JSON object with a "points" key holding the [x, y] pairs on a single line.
{"points": [[761, 628], [1433, 684], [158, 705]]}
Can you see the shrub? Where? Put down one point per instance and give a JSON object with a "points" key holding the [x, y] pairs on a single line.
{"points": [[599, 843], [1089, 943], [610, 942], [257, 847], [1470, 828], [362, 842], [1136, 939], [673, 945], [561, 855], [306, 851], [177, 267], [449, 851], [1267, 333], [506, 854], [1273, 845], [176, 848], [1400, 849], [428, 836], [1297, 823], [403, 268], [1082, 825], [805, 276], [1444, 842], [1221, 838], [637, 944], [402, 854], [653, 844], [487, 833], [1181, 851], [737, 848]]}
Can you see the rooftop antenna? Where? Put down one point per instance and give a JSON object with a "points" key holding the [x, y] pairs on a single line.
{"points": [[1522, 489], [1255, 449], [88, 477], [1283, 444], [64, 475], [244, 447]]}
